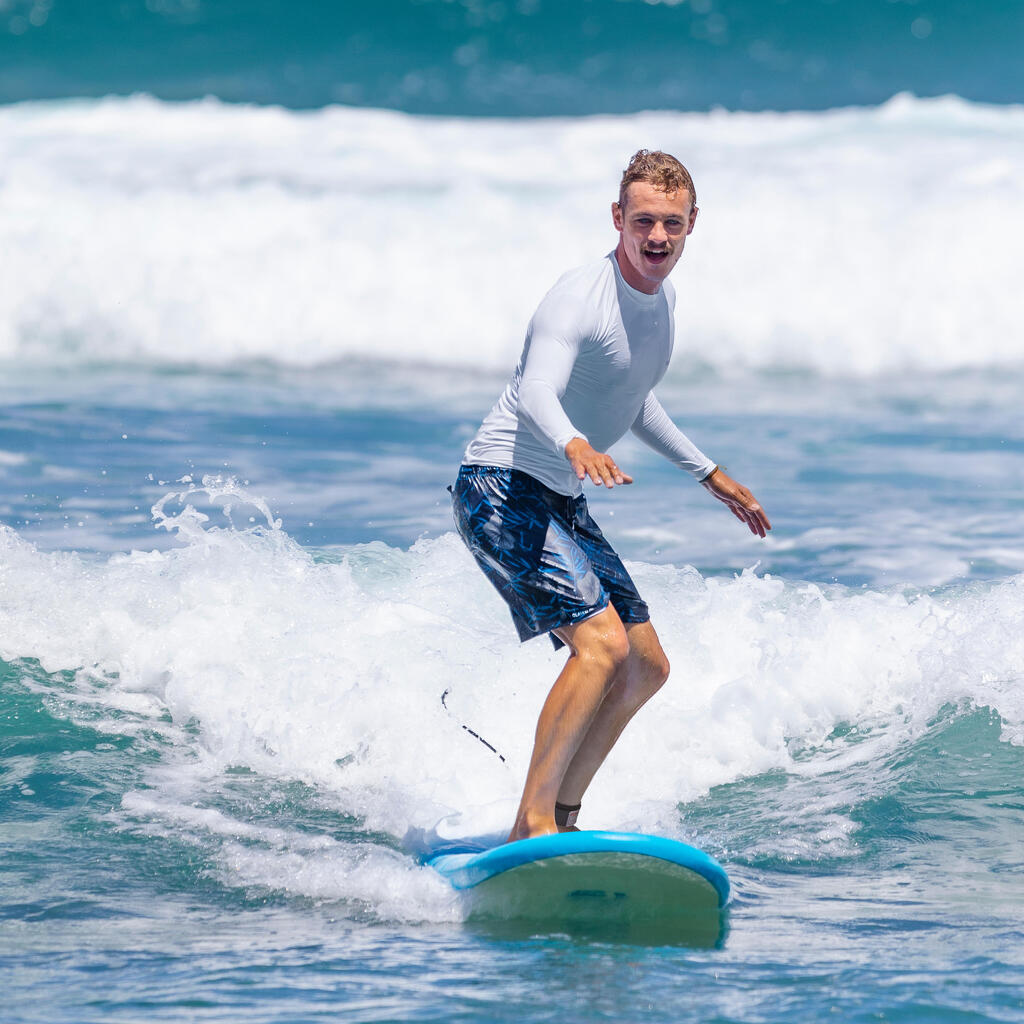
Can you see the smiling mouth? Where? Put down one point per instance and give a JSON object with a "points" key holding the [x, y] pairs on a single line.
{"points": [[656, 255]]}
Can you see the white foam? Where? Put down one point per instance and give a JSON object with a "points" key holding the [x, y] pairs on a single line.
{"points": [[853, 241], [370, 878], [332, 671]]}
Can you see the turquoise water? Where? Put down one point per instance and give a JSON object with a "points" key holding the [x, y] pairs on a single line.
{"points": [[919, 921], [242, 346], [516, 57], [223, 751]]}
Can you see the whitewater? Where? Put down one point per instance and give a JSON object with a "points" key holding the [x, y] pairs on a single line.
{"points": [[858, 241]]}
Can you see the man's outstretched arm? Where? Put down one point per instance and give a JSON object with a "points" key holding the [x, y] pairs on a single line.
{"points": [[655, 428]]}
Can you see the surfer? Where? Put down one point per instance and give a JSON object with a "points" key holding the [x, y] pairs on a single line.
{"points": [[600, 340]]}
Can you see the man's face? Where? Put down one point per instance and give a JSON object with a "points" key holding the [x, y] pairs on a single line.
{"points": [[652, 227]]}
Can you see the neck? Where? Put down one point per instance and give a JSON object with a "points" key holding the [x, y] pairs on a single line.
{"points": [[631, 277]]}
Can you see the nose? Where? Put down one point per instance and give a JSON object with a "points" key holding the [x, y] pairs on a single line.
{"points": [[658, 233]]}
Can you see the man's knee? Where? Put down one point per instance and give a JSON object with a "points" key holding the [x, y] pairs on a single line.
{"points": [[610, 647], [602, 640], [656, 668], [650, 663]]}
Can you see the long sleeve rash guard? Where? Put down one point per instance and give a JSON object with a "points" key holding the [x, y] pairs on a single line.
{"points": [[594, 350]]}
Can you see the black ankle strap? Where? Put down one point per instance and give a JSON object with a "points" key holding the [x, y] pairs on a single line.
{"points": [[566, 814]]}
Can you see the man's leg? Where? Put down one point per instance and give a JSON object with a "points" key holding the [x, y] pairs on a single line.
{"points": [[599, 648], [639, 677]]}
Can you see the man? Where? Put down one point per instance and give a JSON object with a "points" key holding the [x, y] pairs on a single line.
{"points": [[600, 340]]}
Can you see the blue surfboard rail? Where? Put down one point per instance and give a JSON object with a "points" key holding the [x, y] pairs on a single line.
{"points": [[465, 870]]}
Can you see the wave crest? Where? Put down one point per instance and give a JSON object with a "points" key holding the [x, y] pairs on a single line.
{"points": [[855, 241]]}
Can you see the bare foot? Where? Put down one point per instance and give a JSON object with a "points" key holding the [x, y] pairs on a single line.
{"points": [[531, 828]]}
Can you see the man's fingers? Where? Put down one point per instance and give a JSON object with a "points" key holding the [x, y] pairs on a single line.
{"points": [[601, 468], [741, 503], [757, 520], [751, 514], [755, 516], [604, 471]]}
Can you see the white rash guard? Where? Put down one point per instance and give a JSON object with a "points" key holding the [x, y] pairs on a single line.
{"points": [[594, 350]]}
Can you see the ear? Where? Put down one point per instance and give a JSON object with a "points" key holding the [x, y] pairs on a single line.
{"points": [[617, 216], [693, 219]]}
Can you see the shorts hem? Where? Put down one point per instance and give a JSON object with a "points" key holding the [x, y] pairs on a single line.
{"points": [[565, 620], [629, 617]]}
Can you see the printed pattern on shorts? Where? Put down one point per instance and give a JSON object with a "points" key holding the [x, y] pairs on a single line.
{"points": [[541, 550]]}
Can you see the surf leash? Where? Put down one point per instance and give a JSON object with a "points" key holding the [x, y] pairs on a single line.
{"points": [[475, 735]]}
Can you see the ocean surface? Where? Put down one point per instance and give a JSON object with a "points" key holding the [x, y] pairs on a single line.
{"points": [[246, 329], [516, 57]]}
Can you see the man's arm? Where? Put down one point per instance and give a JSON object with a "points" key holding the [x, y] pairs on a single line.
{"points": [[556, 335], [551, 352], [655, 428]]}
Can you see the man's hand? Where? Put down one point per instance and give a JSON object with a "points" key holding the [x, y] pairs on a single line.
{"points": [[586, 461], [740, 501]]}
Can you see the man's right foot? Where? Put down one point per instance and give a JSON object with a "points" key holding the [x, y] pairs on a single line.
{"points": [[531, 828]]}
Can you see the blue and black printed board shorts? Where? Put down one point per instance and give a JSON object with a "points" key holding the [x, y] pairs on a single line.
{"points": [[542, 551]]}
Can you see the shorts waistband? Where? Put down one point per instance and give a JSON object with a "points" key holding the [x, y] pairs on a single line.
{"points": [[553, 499]]}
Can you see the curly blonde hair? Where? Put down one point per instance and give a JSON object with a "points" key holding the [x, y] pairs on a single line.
{"points": [[662, 170]]}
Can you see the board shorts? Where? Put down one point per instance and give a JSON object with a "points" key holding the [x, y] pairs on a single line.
{"points": [[542, 551]]}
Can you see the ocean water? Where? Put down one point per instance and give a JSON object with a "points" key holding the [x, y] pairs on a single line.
{"points": [[242, 345], [516, 57]]}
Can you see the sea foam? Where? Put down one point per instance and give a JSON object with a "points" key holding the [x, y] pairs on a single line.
{"points": [[332, 670], [852, 241]]}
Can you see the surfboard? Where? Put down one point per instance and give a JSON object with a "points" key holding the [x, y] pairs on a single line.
{"points": [[588, 876]]}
